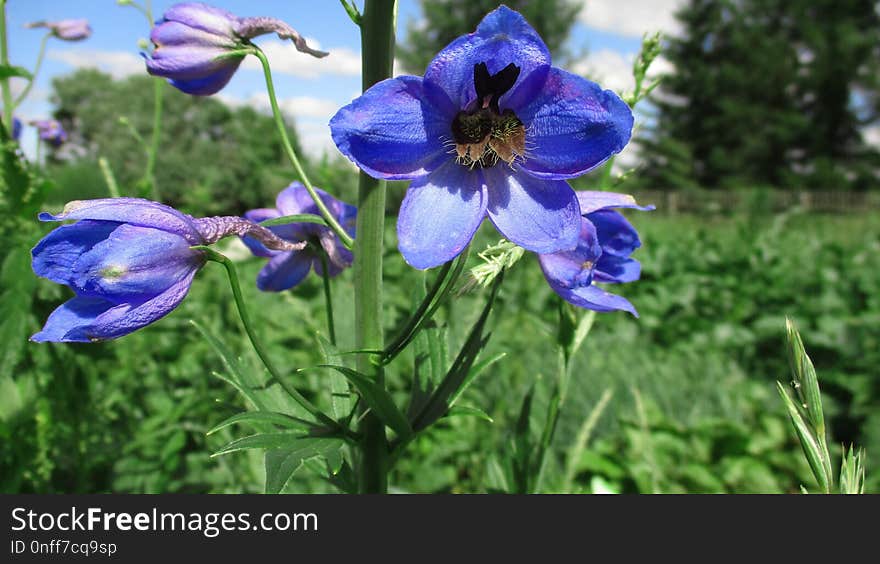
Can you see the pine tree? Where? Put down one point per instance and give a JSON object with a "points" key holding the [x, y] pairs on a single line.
{"points": [[445, 20], [763, 94]]}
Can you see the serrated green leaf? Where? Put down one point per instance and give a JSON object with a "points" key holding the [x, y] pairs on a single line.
{"points": [[282, 463], [377, 399]]}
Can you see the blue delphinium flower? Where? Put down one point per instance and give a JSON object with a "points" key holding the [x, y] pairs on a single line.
{"points": [[16, 128], [602, 255], [68, 30], [199, 47], [50, 131], [286, 269], [129, 261], [491, 129]]}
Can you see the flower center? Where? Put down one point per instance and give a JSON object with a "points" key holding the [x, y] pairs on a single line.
{"points": [[485, 134]]}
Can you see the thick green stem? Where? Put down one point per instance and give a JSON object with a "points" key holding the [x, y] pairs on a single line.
{"points": [[377, 56], [4, 60], [33, 79], [291, 154]]}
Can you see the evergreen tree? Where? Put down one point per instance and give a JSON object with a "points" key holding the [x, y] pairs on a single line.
{"points": [[766, 92], [445, 20]]}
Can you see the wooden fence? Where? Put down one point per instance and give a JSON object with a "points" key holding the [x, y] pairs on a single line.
{"points": [[727, 201]]}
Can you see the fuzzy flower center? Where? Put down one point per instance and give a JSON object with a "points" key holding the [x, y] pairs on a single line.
{"points": [[485, 134]]}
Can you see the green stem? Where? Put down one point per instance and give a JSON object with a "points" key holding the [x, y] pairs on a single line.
{"points": [[291, 154], [328, 297], [377, 55], [150, 172], [33, 79], [4, 60], [39, 150], [213, 255]]}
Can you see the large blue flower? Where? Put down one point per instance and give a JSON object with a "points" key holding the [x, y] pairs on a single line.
{"points": [[491, 129], [129, 261], [602, 255], [199, 47], [286, 269]]}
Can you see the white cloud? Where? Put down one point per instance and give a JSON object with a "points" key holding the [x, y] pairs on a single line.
{"points": [[284, 58], [118, 63], [613, 69], [631, 18]]}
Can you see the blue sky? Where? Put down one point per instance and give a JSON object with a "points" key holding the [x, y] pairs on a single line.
{"points": [[310, 90]]}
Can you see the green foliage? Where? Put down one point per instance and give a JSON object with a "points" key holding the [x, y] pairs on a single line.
{"points": [[768, 93], [445, 20], [212, 158]]}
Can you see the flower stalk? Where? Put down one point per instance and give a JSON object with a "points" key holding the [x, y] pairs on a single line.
{"points": [[377, 52], [291, 154], [33, 78], [4, 60]]}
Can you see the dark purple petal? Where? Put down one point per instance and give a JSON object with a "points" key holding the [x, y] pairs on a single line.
{"points": [[258, 215], [70, 321], [135, 211], [503, 37], [616, 235], [597, 299], [16, 128], [591, 201], [134, 264], [617, 270], [284, 271], [203, 17], [56, 253], [205, 86], [248, 28], [338, 257], [572, 126], [392, 132], [569, 269], [440, 214], [539, 215]]}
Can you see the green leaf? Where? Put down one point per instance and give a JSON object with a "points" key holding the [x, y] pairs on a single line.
{"points": [[263, 417], [852, 472], [236, 375], [467, 410], [377, 399], [475, 371], [17, 282], [340, 394], [453, 382], [522, 445], [270, 440], [282, 463], [8, 71], [809, 443]]}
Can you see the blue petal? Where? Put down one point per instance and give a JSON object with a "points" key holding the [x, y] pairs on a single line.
{"points": [[206, 85], [392, 132], [284, 271], [89, 319], [55, 254], [591, 201], [503, 37], [202, 16], [120, 321], [572, 126], [134, 264], [539, 215], [69, 320], [616, 235], [135, 211], [568, 269], [617, 270], [597, 299], [258, 215], [440, 214]]}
